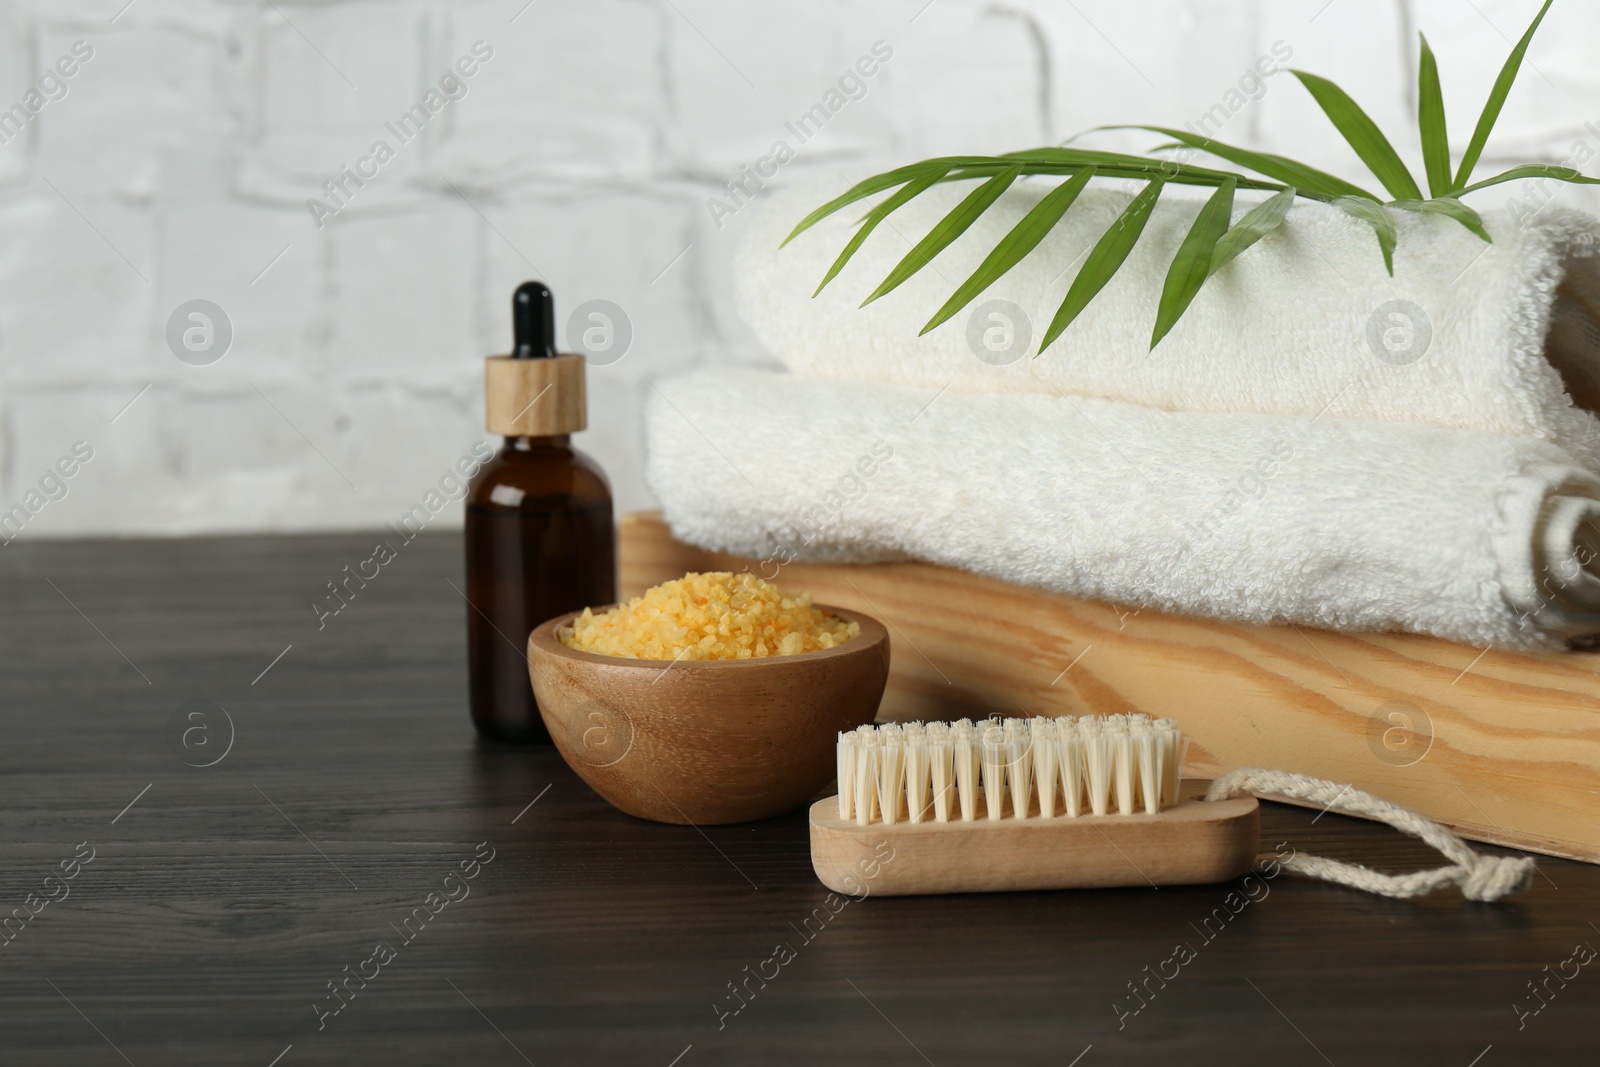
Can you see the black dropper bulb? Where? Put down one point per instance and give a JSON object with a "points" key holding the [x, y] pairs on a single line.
{"points": [[533, 322]]}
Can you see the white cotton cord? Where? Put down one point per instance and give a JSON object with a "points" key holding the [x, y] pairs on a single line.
{"points": [[1480, 877]]}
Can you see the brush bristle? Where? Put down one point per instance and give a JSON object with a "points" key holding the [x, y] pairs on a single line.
{"points": [[1011, 768]]}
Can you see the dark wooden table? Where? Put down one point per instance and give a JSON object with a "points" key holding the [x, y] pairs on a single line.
{"points": [[223, 901]]}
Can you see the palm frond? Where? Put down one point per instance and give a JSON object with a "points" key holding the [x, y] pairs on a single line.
{"points": [[906, 192], [1363, 135], [1105, 259], [1449, 208], [1022, 239], [1497, 100], [1377, 216], [1430, 122], [946, 230], [1211, 243], [1531, 170], [1256, 224], [1313, 183], [876, 184], [1191, 266]]}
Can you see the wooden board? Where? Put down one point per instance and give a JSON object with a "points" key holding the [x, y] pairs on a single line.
{"points": [[1191, 843], [1502, 746]]}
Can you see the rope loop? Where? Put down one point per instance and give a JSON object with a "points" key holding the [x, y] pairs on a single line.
{"points": [[1479, 877]]}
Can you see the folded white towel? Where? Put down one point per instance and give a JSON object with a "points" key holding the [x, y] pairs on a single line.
{"points": [[1328, 522], [1306, 322]]}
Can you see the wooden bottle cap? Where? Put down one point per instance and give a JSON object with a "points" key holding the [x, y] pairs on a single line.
{"points": [[534, 397]]}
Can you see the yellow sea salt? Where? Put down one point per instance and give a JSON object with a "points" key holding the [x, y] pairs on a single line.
{"points": [[719, 615]]}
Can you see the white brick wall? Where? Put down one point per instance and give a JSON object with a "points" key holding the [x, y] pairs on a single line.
{"points": [[178, 164]]}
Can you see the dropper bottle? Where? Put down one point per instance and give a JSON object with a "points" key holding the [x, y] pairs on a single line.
{"points": [[540, 538]]}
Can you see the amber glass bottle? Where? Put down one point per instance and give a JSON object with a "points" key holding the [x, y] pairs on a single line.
{"points": [[540, 539]]}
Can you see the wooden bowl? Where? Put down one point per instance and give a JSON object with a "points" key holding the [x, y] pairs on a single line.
{"points": [[707, 741]]}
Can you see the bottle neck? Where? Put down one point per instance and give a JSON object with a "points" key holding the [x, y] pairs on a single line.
{"points": [[530, 444]]}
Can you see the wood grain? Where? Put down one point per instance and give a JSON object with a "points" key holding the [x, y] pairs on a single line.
{"points": [[1191, 843], [706, 741], [534, 397], [1502, 746], [208, 924]]}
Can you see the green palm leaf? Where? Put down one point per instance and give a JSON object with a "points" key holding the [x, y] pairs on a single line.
{"points": [[877, 184], [1170, 173], [946, 230], [1363, 135], [1309, 180], [1211, 243], [1497, 100], [1377, 216], [1114, 167], [1256, 224], [1104, 260], [1531, 170], [1450, 208], [877, 215], [1167, 169], [1431, 124], [1192, 264], [1022, 239]]}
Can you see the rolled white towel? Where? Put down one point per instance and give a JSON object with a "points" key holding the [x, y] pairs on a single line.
{"points": [[1466, 334], [1327, 522]]}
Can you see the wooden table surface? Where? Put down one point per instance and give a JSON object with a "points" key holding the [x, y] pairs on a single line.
{"points": [[222, 902]]}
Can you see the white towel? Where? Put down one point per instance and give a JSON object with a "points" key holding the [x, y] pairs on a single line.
{"points": [[1306, 322], [1326, 522]]}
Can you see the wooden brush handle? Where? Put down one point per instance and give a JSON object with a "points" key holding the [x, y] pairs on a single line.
{"points": [[1195, 841]]}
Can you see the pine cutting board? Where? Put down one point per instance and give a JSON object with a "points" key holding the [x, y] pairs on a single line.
{"points": [[1502, 746]]}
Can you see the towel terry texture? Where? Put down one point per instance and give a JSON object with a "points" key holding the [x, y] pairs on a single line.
{"points": [[1316, 442], [1324, 521], [1465, 334]]}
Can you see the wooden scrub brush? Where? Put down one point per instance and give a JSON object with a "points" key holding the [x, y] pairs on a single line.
{"points": [[1057, 803]]}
